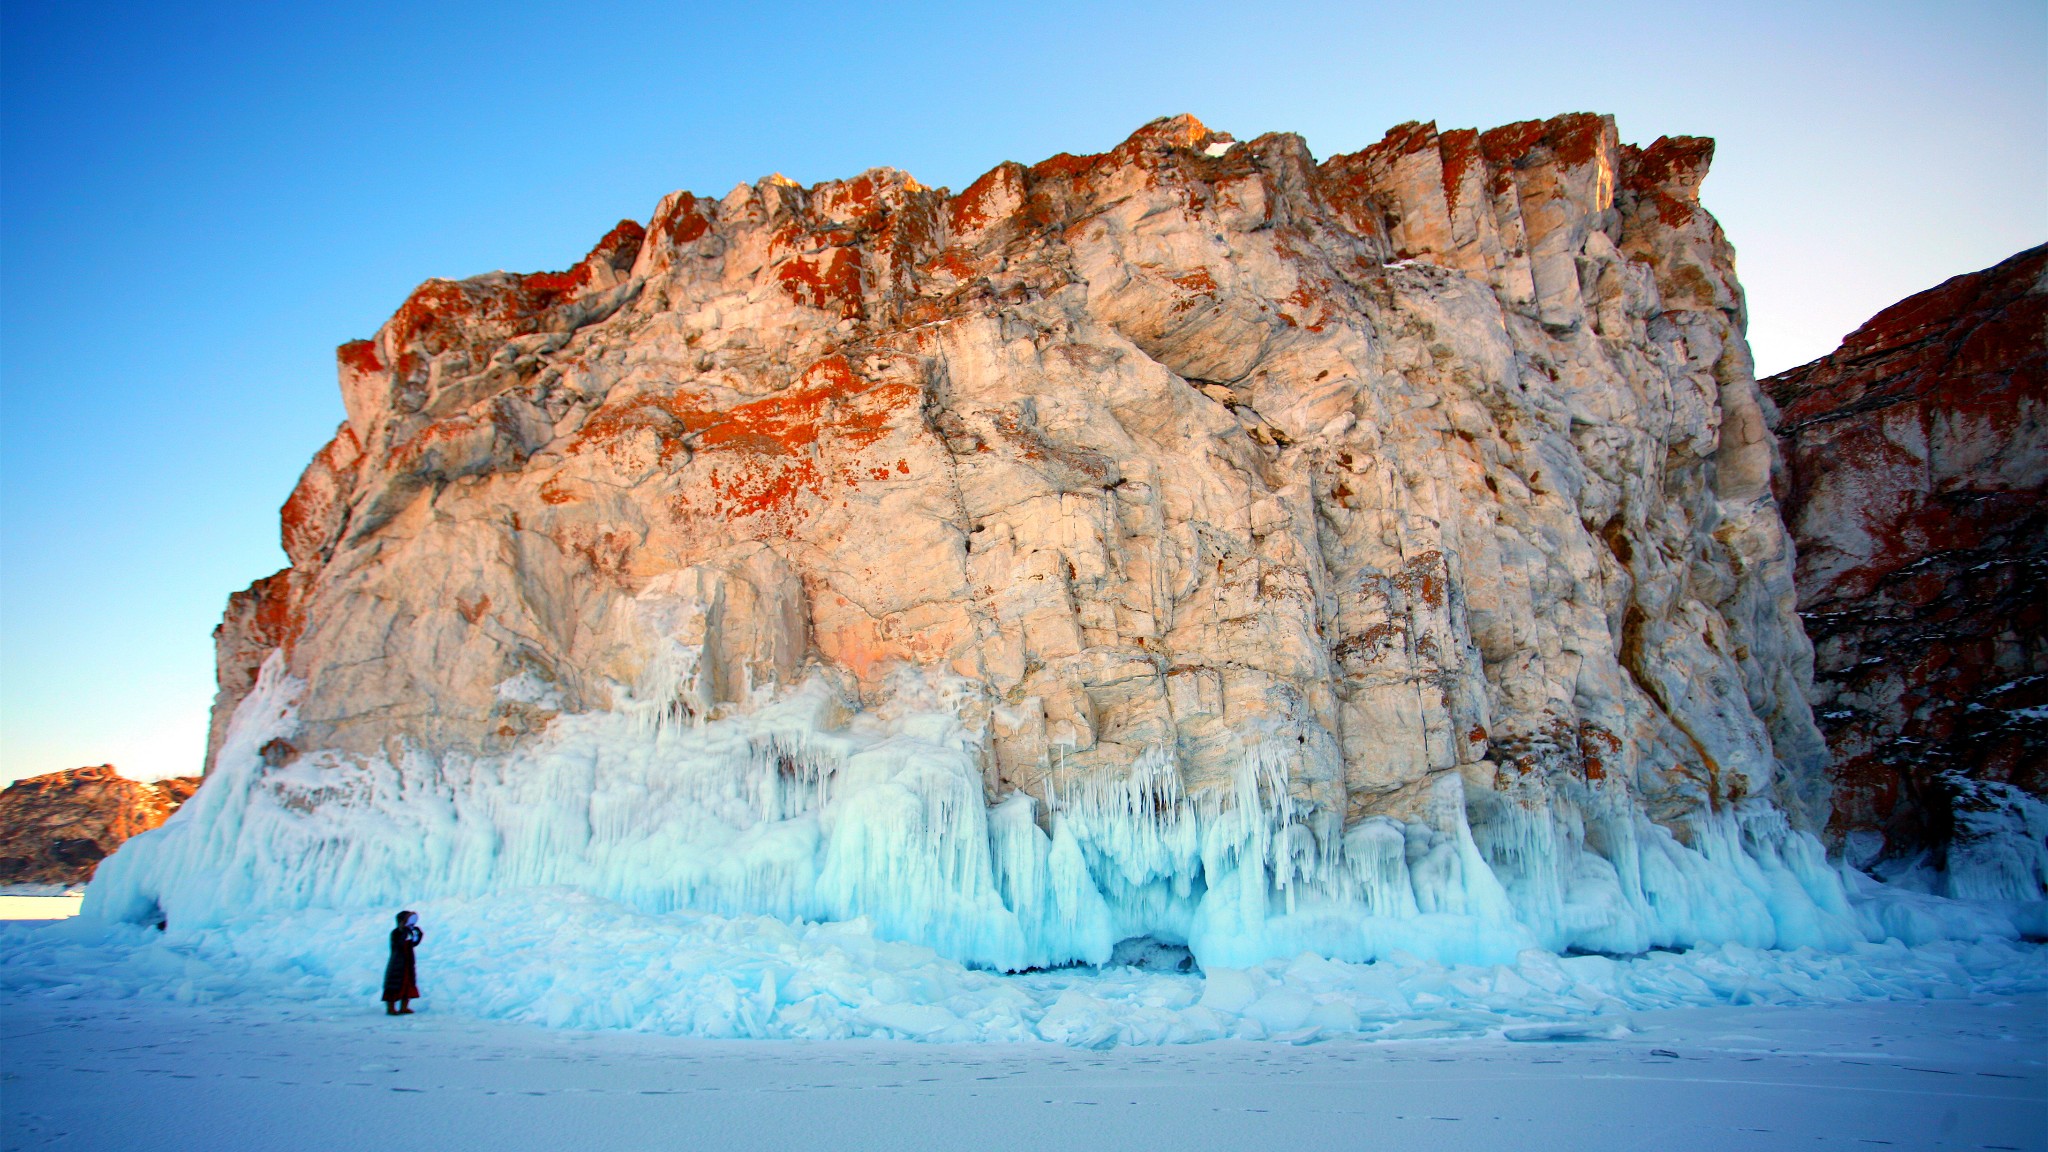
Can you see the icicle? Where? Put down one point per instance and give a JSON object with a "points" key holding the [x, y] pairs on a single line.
{"points": [[782, 810]]}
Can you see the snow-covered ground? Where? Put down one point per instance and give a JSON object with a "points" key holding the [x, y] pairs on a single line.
{"points": [[565, 959], [88, 1071], [560, 1020]]}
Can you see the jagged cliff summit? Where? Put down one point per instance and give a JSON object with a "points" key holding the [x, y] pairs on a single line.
{"points": [[1193, 541]]}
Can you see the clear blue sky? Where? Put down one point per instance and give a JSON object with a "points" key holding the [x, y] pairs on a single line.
{"points": [[198, 202]]}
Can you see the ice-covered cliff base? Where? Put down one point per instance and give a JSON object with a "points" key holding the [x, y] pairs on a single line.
{"points": [[565, 959], [807, 811]]}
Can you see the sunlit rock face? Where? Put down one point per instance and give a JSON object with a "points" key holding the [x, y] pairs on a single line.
{"points": [[57, 827], [1193, 540], [1917, 457]]}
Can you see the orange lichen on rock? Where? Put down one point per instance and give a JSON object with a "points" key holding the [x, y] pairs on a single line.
{"points": [[606, 552], [1668, 172], [829, 281], [615, 251], [763, 456], [442, 315], [1459, 148], [610, 429], [1508, 143], [277, 610], [955, 263], [679, 222], [974, 209], [359, 356], [1405, 139], [751, 486], [827, 396], [1596, 746]]}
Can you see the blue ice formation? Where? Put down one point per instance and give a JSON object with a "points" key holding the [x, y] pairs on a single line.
{"points": [[779, 813]]}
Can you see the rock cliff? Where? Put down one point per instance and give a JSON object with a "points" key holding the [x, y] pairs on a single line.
{"points": [[1916, 462], [1195, 540], [56, 828]]}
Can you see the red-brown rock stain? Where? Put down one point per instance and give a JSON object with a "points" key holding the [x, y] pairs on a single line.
{"points": [[1458, 148], [682, 223], [1596, 746], [954, 262], [359, 356], [1422, 578], [279, 611], [971, 211], [1068, 165], [443, 314], [1508, 143], [1667, 173], [763, 455], [1311, 305], [1197, 287], [849, 198], [829, 281]]}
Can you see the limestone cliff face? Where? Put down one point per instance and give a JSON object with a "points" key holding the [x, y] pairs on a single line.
{"points": [[1441, 459], [1916, 460], [1414, 499], [56, 828]]}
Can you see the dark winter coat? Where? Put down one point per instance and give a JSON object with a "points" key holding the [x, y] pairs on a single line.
{"points": [[401, 978]]}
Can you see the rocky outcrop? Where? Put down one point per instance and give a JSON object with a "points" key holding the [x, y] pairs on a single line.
{"points": [[1916, 458], [1405, 497], [56, 828]]}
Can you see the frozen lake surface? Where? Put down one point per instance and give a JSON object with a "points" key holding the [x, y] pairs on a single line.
{"points": [[140, 1073]]}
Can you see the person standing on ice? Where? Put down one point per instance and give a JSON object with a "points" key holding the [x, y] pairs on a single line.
{"points": [[401, 978]]}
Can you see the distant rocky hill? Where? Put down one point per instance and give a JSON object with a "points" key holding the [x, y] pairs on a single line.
{"points": [[1916, 457], [55, 829]]}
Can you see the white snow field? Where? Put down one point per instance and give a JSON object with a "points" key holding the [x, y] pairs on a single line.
{"points": [[565, 959], [87, 1067]]}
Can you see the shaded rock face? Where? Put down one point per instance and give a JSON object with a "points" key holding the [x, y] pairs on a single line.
{"points": [[1915, 461], [1425, 479], [56, 828]]}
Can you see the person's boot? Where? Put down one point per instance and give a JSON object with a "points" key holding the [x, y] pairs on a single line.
{"points": [[405, 1008], [390, 1009]]}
